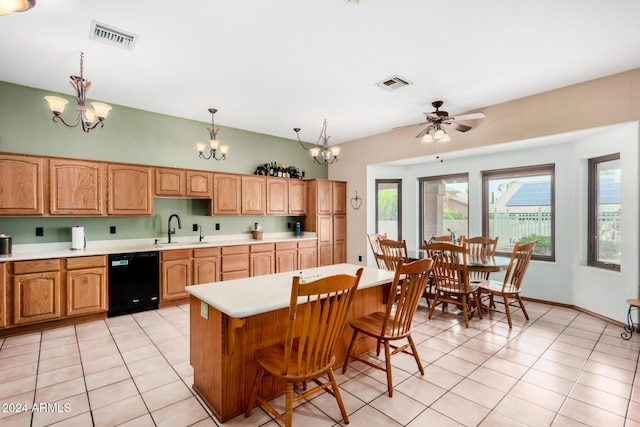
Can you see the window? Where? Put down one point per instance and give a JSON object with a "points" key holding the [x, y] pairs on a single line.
{"points": [[388, 207], [604, 212], [444, 206], [518, 205]]}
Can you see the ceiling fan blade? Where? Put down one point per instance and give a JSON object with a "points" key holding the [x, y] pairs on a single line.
{"points": [[457, 126], [406, 126], [470, 116]]}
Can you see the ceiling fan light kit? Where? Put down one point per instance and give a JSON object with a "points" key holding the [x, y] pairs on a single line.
{"points": [[10, 6], [321, 155]]}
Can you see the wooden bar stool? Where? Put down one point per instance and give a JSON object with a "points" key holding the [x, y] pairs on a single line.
{"points": [[634, 304]]}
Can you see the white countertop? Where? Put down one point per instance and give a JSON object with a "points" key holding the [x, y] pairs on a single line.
{"points": [[254, 295], [105, 247]]}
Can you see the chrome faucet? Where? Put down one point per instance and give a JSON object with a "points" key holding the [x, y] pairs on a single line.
{"points": [[169, 232]]}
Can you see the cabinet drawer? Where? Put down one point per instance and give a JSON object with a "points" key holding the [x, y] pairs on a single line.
{"points": [[206, 252], [230, 250], [281, 246], [36, 266], [86, 262], [307, 244], [265, 247], [175, 255], [235, 262], [235, 275]]}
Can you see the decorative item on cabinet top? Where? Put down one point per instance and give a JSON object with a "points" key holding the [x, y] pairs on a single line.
{"points": [[281, 170]]}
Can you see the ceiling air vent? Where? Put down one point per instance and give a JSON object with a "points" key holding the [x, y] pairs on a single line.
{"points": [[112, 36], [393, 83]]}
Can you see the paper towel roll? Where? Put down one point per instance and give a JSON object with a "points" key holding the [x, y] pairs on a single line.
{"points": [[77, 238]]}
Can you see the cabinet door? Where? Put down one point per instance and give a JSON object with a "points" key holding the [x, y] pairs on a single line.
{"points": [[286, 261], [170, 182], [36, 297], [130, 190], [339, 239], [199, 184], [206, 270], [175, 277], [21, 185], [76, 187], [325, 240], [277, 196], [324, 197], [339, 194], [86, 291], [226, 194], [3, 295], [307, 258], [297, 197], [261, 264], [253, 195]]}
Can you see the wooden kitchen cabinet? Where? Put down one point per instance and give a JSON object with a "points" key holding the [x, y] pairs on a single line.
{"points": [[297, 197], [339, 197], [277, 196], [339, 239], [206, 265], [286, 256], [226, 194], [199, 184], [170, 182], [86, 285], [36, 291], [261, 259], [325, 200], [3, 295], [324, 197], [77, 187], [254, 195], [307, 254], [325, 240], [175, 274], [21, 185], [234, 262], [129, 190]]}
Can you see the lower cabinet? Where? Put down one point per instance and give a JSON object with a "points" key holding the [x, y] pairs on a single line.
{"points": [[235, 262], [286, 256], [261, 260], [206, 265], [307, 254], [86, 285], [175, 274], [3, 295], [36, 291]]}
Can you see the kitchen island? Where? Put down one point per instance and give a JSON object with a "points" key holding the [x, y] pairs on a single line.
{"points": [[230, 320]]}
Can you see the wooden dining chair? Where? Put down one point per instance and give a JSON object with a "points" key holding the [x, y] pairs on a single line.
{"points": [[314, 330], [451, 279], [480, 247], [396, 322], [393, 252], [510, 286], [374, 242]]}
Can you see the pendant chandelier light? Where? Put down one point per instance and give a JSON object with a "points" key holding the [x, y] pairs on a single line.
{"points": [[10, 6], [84, 117], [325, 155], [214, 144]]}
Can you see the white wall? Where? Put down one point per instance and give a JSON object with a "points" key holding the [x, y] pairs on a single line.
{"points": [[567, 280]]}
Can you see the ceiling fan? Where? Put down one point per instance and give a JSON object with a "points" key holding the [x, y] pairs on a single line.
{"points": [[438, 119]]}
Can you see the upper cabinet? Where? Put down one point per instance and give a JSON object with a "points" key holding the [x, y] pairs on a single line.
{"points": [[170, 182], [339, 194], [277, 196], [77, 187], [130, 190], [254, 196], [324, 198], [199, 184], [226, 194], [21, 185], [297, 197]]}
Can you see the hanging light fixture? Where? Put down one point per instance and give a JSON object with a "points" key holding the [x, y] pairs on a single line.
{"points": [[84, 116], [10, 6], [213, 142], [325, 155], [435, 133]]}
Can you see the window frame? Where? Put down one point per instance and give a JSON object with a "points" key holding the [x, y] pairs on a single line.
{"points": [[517, 172], [593, 207], [397, 181], [421, 180]]}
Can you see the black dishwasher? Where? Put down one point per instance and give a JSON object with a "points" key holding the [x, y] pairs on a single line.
{"points": [[134, 282]]}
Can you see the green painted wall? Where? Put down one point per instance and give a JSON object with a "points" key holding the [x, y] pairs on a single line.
{"points": [[142, 137]]}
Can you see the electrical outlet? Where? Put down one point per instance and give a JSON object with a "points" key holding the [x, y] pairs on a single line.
{"points": [[359, 258], [217, 226], [112, 229], [289, 225], [195, 227], [204, 310], [39, 231]]}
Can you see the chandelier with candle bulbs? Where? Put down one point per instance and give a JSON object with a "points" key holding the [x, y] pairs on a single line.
{"points": [[84, 117], [324, 155]]}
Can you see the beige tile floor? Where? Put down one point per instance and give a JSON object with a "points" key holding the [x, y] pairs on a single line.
{"points": [[561, 368]]}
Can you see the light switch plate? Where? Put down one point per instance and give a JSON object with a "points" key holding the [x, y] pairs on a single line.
{"points": [[204, 310]]}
